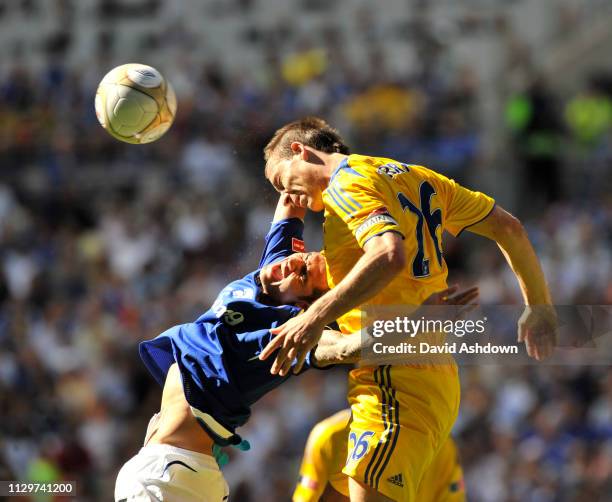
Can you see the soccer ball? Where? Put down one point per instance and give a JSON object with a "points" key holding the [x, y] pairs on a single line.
{"points": [[135, 103]]}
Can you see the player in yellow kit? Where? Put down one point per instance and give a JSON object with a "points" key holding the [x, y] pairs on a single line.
{"points": [[382, 240], [321, 477]]}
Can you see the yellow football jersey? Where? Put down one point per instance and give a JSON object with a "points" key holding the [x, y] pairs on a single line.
{"points": [[368, 196]]}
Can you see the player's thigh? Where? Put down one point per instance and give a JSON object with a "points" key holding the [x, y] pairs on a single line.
{"points": [[361, 492]]}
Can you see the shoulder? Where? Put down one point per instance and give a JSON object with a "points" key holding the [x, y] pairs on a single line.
{"points": [[368, 169], [353, 166], [241, 291]]}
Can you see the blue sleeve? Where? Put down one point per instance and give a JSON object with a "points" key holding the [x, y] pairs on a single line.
{"points": [[284, 238]]}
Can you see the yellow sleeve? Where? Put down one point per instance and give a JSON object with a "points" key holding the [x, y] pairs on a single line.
{"points": [[364, 204], [313, 471], [464, 207]]}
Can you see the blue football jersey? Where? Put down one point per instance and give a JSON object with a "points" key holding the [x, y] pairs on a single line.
{"points": [[218, 353]]}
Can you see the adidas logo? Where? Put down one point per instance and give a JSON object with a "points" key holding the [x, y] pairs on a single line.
{"points": [[397, 480]]}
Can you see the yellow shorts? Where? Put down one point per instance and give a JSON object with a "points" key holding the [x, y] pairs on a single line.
{"points": [[401, 417], [325, 455]]}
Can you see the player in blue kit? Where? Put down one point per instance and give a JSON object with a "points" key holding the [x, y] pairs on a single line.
{"points": [[217, 354], [211, 373]]}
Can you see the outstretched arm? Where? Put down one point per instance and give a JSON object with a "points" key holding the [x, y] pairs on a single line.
{"points": [[285, 232], [537, 326], [336, 348], [382, 260]]}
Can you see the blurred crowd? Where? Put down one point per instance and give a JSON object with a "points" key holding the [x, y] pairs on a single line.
{"points": [[103, 245]]}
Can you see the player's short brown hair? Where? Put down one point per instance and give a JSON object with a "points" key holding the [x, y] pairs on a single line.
{"points": [[310, 131]]}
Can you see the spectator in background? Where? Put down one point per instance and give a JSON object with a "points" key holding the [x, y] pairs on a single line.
{"points": [[534, 119], [589, 114], [589, 118]]}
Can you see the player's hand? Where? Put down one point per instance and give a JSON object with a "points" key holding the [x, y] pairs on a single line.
{"points": [[286, 209], [295, 339], [537, 327], [289, 209]]}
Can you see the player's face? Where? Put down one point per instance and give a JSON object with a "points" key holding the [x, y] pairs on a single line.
{"points": [[299, 178], [295, 279]]}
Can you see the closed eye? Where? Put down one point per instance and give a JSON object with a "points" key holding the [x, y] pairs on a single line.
{"points": [[304, 270]]}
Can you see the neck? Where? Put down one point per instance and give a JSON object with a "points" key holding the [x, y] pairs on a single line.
{"points": [[330, 162]]}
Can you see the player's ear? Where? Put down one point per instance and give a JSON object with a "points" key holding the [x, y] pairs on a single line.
{"points": [[298, 149]]}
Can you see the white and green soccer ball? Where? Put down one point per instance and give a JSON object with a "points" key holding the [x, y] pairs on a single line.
{"points": [[135, 103]]}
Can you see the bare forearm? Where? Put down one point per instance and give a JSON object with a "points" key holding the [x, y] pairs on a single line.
{"points": [[370, 275], [383, 259], [336, 348], [514, 243], [521, 257], [537, 326]]}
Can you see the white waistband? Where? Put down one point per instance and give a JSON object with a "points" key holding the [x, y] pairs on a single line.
{"points": [[165, 449]]}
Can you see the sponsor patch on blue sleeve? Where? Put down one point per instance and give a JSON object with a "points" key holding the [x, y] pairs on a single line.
{"points": [[297, 245]]}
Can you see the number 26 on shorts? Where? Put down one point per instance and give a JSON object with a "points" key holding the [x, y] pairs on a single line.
{"points": [[359, 446]]}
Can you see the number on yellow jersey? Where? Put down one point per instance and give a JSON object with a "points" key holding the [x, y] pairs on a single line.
{"points": [[432, 219]]}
